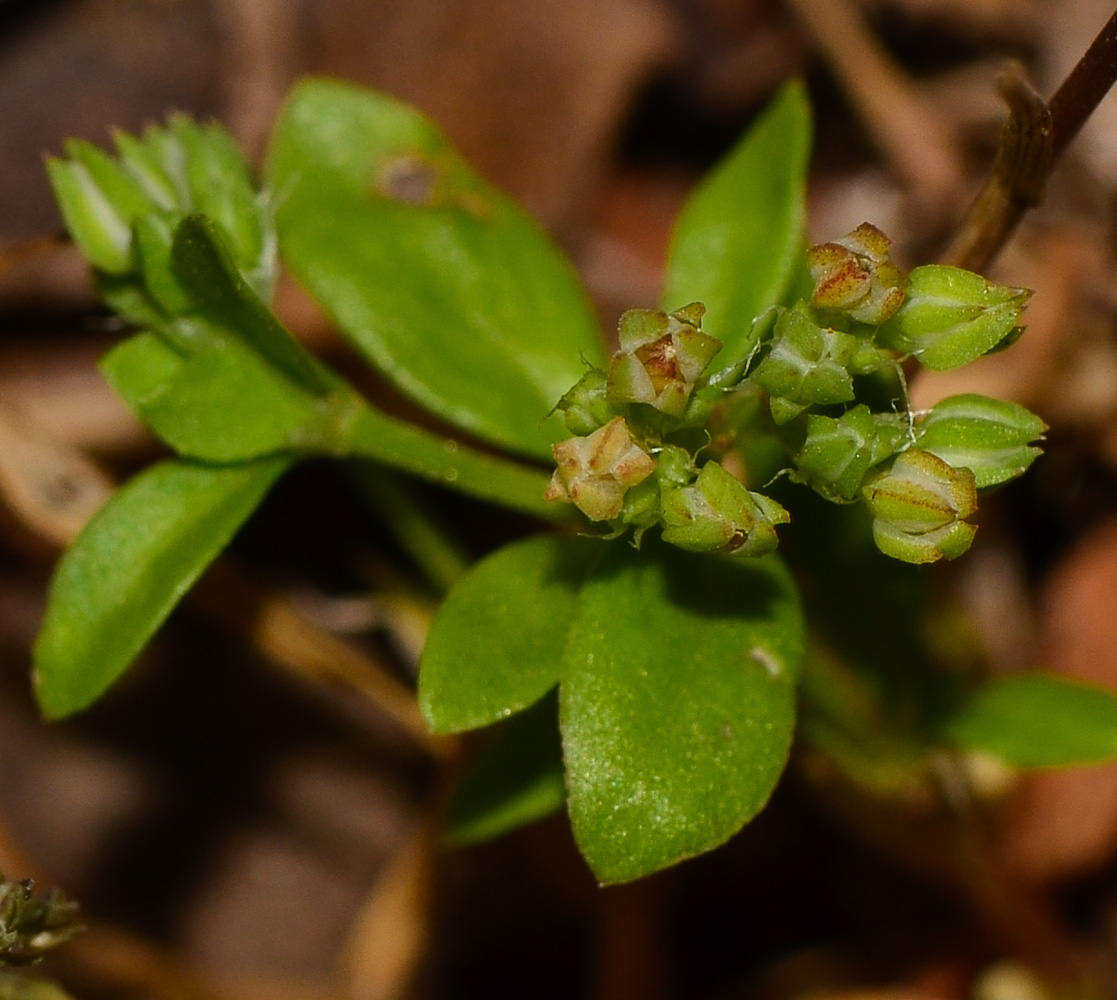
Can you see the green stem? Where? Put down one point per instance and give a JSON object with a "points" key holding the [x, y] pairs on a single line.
{"points": [[446, 462], [438, 555]]}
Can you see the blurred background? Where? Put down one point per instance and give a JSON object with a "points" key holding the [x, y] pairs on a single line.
{"points": [[235, 826]]}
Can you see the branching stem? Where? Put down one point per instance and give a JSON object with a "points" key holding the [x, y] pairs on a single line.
{"points": [[1034, 136]]}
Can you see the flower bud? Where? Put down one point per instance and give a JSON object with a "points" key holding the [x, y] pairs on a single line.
{"points": [[855, 275], [919, 506], [805, 365], [838, 452], [169, 172], [718, 514], [585, 406], [221, 186], [951, 316], [661, 358], [990, 437], [594, 472]]}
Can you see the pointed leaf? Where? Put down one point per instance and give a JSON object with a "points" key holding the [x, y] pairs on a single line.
{"points": [[496, 644], [131, 565], [1038, 720], [677, 703], [738, 242], [438, 278]]}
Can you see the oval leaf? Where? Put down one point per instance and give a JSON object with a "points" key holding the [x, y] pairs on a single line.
{"points": [[131, 565], [496, 644], [1038, 720], [738, 241], [677, 703], [445, 285]]}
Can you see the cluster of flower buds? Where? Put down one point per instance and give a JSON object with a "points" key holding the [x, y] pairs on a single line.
{"points": [[815, 365], [620, 469], [123, 211]]}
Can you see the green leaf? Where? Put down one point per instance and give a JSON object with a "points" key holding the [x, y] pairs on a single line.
{"points": [[439, 279], [1038, 720], [131, 565], [677, 703], [221, 404], [496, 644], [514, 780], [221, 295], [738, 241]]}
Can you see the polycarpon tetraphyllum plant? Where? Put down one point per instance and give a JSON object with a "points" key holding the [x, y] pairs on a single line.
{"points": [[651, 688]]}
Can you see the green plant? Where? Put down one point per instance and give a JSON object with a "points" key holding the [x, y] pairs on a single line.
{"points": [[676, 641]]}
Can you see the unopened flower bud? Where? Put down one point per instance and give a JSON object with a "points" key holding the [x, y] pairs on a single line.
{"points": [[805, 365], [167, 173], [838, 452], [855, 275], [594, 472], [919, 506], [951, 316], [718, 514], [990, 437], [661, 358], [585, 406]]}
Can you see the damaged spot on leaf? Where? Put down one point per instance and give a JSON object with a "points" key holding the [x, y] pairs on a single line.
{"points": [[409, 178], [421, 182]]}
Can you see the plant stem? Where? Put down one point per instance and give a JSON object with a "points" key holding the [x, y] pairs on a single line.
{"points": [[442, 561], [377, 436], [1033, 137]]}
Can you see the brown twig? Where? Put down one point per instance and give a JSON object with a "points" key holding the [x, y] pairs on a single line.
{"points": [[1034, 136]]}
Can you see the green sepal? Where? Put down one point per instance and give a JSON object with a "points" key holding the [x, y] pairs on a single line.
{"points": [[718, 514], [951, 317], [839, 452], [90, 217], [585, 407], [948, 542], [140, 159], [919, 505], [805, 365], [990, 437], [222, 188], [154, 238]]}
